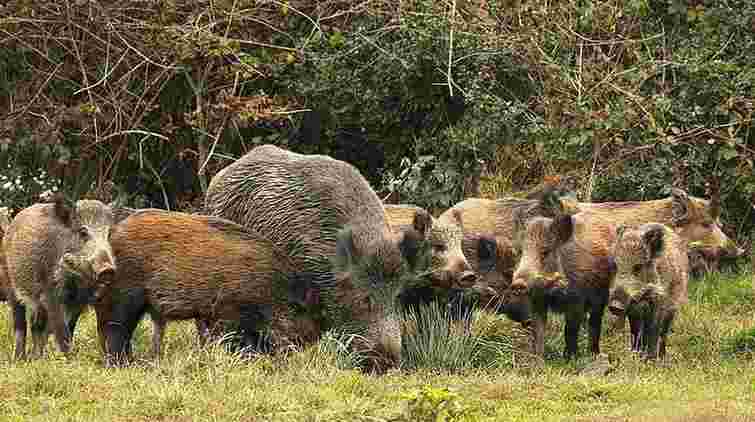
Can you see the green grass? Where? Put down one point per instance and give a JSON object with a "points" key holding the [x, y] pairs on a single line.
{"points": [[709, 376]]}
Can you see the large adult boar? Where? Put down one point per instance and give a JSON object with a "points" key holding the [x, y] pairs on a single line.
{"points": [[695, 220], [57, 255], [650, 285], [178, 266], [565, 267], [333, 226]]}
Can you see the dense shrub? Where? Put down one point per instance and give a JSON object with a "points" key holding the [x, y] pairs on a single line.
{"points": [[426, 99]]}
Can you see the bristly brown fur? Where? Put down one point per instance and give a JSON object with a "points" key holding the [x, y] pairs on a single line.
{"points": [[185, 266]]}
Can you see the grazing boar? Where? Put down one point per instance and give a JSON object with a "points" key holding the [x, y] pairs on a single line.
{"points": [[650, 285], [333, 226], [179, 266], [57, 256], [565, 267], [695, 220]]}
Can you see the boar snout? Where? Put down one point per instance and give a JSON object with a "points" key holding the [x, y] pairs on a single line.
{"points": [[467, 278], [103, 265]]}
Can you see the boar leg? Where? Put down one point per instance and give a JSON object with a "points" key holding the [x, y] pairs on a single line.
{"points": [[650, 337], [663, 333], [19, 326], [252, 323], [38, 331], [574, 318], [158, 331], [72, 312], [635, 328], [596, 322], [125, 313], [56, 318]]}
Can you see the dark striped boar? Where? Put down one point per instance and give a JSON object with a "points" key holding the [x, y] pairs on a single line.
{"points": [[565, 267], [178, 266], [327, 218], [650, 285], [695, 220], [57, 255]]}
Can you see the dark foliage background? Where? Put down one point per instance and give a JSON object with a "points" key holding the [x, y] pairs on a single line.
{"points": [[143, 101]]}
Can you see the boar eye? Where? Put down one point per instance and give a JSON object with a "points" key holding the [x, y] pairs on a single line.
{"points": [[439, 247], [84, 233], [637, 269]]}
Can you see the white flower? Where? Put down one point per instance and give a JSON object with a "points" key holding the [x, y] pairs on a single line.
{"points": [[7, 185]]}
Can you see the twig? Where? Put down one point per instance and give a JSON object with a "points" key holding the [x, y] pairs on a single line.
{"points": [[220, 129], [134, 131], [103, 78], [449, 78], [262, 44]]}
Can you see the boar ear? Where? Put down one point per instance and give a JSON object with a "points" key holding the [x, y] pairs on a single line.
{"points": [[562, 228], [456, 217], [422, 222], [344, 249], [121, 213], [679, 206], [487, 252], [653, 241]]}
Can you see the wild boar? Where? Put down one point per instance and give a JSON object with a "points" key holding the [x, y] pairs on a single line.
{"points": [[504, 219], [460, 301], [650, 285], [448, 261], [693, 219], [333, 226], [565, 267], [57, 256], [179, 266]]}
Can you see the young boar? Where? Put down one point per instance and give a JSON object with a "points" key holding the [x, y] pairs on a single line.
{"points": [[448, 261], [650, 285], [57, 255], [333, 226], [460, 301], [179, 266], [504, 219], [564, 268]]}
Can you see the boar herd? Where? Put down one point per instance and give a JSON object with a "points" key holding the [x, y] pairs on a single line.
{"points": [[288, 246]]}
